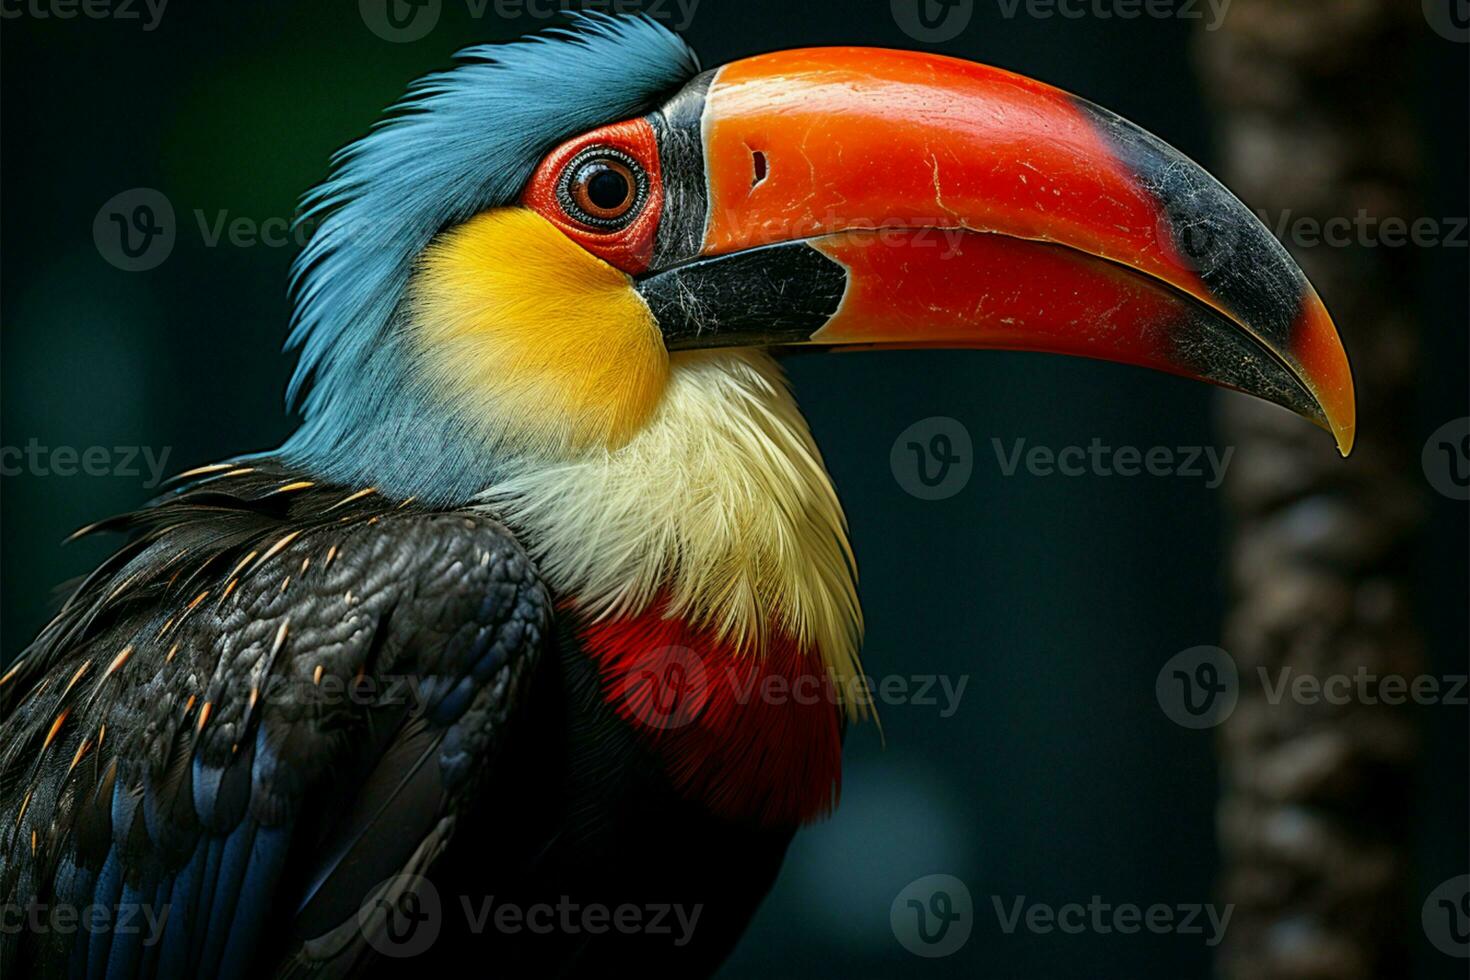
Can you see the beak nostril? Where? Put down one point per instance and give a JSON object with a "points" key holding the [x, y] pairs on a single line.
{"points": [[758, 166]]}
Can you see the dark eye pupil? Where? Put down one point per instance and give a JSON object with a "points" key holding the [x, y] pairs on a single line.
{"points": [[607, 189], [602, 188]]}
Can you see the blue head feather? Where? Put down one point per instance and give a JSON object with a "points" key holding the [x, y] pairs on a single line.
{"points": [[460, 141]]}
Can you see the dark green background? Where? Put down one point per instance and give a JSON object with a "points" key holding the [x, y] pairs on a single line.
{"points": [[1059, 778]]}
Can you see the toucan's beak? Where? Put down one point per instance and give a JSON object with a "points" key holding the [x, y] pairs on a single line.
{"points": [[892, 199]]}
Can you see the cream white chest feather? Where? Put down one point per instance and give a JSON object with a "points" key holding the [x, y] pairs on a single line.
{"points": [[720, 503]]}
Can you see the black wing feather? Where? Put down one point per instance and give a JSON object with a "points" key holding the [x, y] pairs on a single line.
{"points": [[274, 697]]}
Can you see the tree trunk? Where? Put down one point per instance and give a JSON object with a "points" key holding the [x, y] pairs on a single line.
{"points": [[1313, 100]]}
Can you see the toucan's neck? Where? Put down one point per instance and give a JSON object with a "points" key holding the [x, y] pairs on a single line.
{"points": [[720, 506]]}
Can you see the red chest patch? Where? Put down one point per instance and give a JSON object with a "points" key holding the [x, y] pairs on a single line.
{"points": [[754, 738]]}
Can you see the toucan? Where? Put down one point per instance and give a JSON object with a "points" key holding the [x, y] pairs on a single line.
{"points": [[534, 645]]}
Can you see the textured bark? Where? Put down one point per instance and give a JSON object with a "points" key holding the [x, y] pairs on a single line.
{"points": [[1315, 799]]}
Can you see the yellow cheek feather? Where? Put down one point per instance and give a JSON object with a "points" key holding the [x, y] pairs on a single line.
{"points": [[545, 343]]}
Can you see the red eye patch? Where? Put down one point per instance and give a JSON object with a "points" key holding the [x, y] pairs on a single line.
{"points": [[603, 189]]}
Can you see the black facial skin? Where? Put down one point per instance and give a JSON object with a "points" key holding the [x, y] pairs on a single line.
{"points": [[676, 127], [779, 294]]}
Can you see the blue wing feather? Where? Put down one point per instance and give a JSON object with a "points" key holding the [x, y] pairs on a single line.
{"points": [[106, 894]]}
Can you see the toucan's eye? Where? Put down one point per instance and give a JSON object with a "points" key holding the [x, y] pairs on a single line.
{"points": [[603, 188], [604, 191]]}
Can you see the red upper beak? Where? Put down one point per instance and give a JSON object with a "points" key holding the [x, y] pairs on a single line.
{"points": [[852, 196]]}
